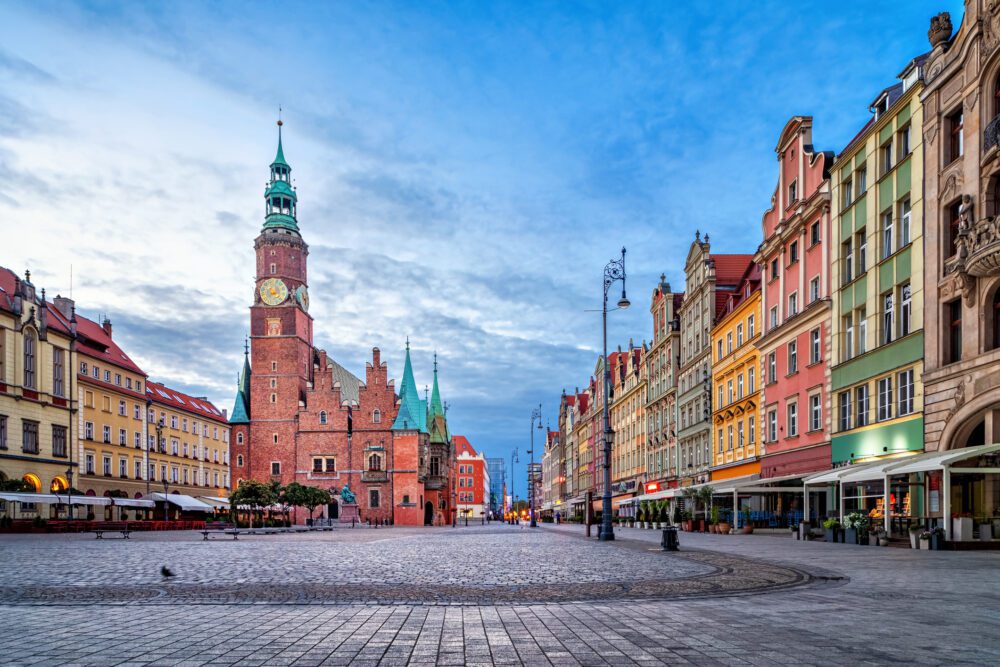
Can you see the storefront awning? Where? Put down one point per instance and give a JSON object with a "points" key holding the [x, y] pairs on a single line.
{"points": [[82, 500], [658, 495], [828, 477], [132, 502], [43, 498], [186, 503], [215, 502], [784, 484], [868, 473], [941, 460]]}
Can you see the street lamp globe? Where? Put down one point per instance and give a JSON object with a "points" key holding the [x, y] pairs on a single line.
{"points": [[623, 302]]}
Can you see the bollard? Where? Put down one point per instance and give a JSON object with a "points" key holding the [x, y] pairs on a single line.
{"points": [[670, 542]]}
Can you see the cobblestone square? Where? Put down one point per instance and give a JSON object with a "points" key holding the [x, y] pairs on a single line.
{"points": [[427, 596]]}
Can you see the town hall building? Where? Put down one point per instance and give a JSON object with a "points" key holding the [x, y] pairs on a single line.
{"points": [[299, 416]]}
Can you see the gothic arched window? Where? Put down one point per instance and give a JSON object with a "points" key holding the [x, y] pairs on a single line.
{"points": [[322, 417], [377, 417], [374, 462], [29, 359], [239, 438]]}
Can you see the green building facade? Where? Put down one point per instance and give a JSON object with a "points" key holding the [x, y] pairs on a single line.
{"points": [[877, 278]]}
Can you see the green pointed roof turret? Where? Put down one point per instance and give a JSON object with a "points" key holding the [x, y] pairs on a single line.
{"points": [[436, 407], [280, 198], [241, 412], [411, 409]]}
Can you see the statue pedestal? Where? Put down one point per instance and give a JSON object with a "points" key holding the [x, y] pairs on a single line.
{"points": [[349, 512]]}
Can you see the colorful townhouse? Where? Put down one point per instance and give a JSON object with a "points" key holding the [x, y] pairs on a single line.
{"points": [[627, 413], [878, 293], [661, 387], [473, 480], [794, 343], [736, 383], [37, 389], [709, 281]]}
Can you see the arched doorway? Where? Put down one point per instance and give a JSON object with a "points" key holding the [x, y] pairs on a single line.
{"points": [[428, 513], [333, 509]]}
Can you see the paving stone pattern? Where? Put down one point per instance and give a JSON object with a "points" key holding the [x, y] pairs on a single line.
{"points": [[819, 604]]}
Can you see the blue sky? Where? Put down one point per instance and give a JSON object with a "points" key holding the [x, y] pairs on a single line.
{"points": [[464, 170]]}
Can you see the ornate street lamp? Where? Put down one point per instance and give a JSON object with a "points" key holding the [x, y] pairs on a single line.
{"points": [[535, 414], [613, 272]]}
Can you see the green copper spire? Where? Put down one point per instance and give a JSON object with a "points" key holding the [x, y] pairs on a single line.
{"points": [[281, 200], [241, 413], [437, 408], [409, 417]]}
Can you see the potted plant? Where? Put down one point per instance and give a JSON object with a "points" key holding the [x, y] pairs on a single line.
{"points": [[961, 526], [640, 517], [686, 521], [985, 528], [724, 525], [937, 538], [664, 513], [832, 527], [915, 530], [714, 520], [747, 526], [677, 514], [925, 540], [854, 524]]}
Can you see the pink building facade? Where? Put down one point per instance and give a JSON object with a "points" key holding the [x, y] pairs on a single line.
{"points": [[795, 308]]}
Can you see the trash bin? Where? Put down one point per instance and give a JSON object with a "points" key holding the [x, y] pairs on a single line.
{"points": [[670, 541]]}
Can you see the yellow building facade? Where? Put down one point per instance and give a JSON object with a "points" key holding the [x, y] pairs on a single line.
{"points": [[36, 386], [627, 412], [139, 437], [736, 383]]}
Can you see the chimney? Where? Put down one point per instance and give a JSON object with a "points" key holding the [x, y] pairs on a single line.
{"points": [[64, 306], [106, 325]]}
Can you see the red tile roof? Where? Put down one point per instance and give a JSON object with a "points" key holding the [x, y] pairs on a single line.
{"points": [[729, 268], [462, 445], [164, 395], [95, 342]]}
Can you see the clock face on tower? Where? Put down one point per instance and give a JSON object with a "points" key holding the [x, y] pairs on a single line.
{"points": [[302, 296], [273, 291]]}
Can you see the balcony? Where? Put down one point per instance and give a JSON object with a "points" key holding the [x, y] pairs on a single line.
{"points": [[991, 135], [977, 250], [375, 476]]}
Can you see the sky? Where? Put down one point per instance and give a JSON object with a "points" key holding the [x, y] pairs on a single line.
{"points": [[464, 169]]}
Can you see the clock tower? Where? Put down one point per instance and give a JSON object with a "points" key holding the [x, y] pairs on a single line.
{"points": [[281, 335]]}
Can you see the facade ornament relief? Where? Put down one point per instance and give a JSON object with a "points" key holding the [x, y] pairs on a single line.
{"points": [[940, 30]]}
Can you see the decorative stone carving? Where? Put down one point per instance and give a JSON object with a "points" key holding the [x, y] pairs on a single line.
{"points": [[991, 27], [940, 30], [971, 100], [930, 135]]}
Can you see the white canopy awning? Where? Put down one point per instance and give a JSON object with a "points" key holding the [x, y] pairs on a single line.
{"points": [[82, 500], [754, 485], [132, 502], [829, 477], [868, 473], [941, 460], [658, 495], [186, 503], [215, 501], [43, 498]]}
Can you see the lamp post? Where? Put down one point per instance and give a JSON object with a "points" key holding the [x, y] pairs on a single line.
{"points": [[513, 460], [536, 414], [69, 492], [613, 272], [165, 501]]}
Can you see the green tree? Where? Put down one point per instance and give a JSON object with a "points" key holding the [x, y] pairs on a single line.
{"points": [[293, 495], [254, 495], [313, 498]]}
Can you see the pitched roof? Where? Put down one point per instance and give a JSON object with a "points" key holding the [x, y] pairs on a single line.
{"points": [[350, 384], [729, 268], [96, 343], [412, 413], [164, 395], [241, 411], [463, 446]]}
